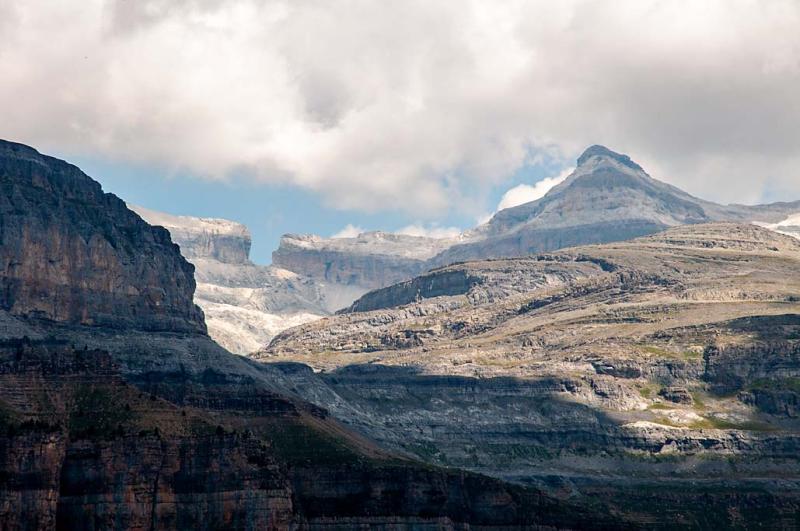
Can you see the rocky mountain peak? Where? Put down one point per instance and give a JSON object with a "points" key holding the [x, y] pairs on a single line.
{"points": [[602, 151], [607, 198], [606, 187]]}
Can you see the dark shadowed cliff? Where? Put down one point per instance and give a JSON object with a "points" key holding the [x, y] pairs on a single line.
{"points": [[73, 254]]}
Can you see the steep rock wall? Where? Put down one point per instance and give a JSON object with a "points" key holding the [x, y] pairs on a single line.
{"points": [[73, 254]]}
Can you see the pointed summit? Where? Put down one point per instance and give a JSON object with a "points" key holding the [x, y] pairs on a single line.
{"points": [[607, 198], [602, 151]]}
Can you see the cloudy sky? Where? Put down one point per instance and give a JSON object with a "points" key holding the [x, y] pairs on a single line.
{"points": [[303, 116]]}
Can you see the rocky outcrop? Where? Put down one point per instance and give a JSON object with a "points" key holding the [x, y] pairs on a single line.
{"points": [[72, 254], [677, 395], [739, 366], [479, 282], [434, 284]]}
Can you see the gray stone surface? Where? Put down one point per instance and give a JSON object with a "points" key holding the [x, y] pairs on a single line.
{"points": [[73, 254], [669, 358], [607, 198], [246, 304]]}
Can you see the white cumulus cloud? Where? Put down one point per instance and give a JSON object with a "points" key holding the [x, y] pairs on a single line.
{"points": [[349, 231], [525, 193], [415, 229], [416, 106]]}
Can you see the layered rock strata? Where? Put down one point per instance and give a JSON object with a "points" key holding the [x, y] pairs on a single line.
{"points": [[82, 449], [664, 368], [245, 304], [608, 198], [118, 411], [73, 254]]}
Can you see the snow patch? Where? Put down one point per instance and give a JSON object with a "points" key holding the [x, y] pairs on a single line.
{"points": [[430, 232], [244, 330], [789, 226], [189, 224]]}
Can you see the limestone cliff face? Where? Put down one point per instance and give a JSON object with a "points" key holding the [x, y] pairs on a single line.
{"points": [[73, 254], [370, 260], [245, 304], [217, 239], [94, 452]]}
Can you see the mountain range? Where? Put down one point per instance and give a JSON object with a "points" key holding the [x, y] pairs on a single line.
{"points": [[635, 381], [658, 374], [117, 411], [607, 198]]}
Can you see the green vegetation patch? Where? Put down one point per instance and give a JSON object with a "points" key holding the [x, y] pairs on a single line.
{"points": [[713, 423], [298, 443], [649, 390], [777, 384], [699, 403], [509, 453], [664, 421], [8, 419], [426, 451], [12, 422], [721, 424], [651, 457], [689, 355], [99, 411]]}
